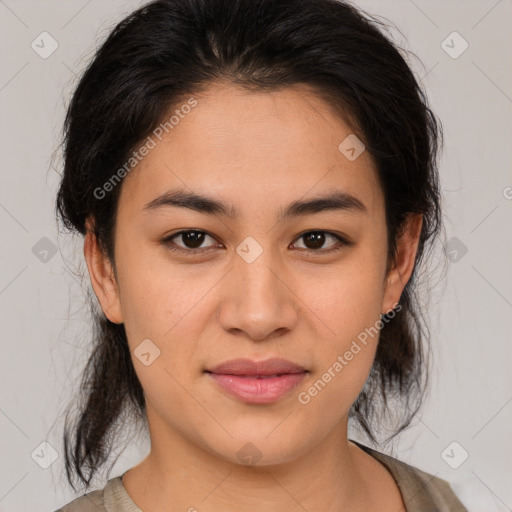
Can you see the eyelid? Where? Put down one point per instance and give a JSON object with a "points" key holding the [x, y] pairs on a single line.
{"points": [[341, 241], [168, 241]]}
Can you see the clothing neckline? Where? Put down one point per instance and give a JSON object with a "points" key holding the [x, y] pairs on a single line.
{"points": [[412, 482]]}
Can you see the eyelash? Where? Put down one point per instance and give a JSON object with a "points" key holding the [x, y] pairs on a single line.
{"points": [[341, 242]]}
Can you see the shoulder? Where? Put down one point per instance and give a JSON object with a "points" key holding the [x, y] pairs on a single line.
{"points": [[90, 502], [421, 491], [112, 498]]}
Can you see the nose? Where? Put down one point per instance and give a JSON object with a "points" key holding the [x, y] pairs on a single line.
{"points": [[259, 304]]}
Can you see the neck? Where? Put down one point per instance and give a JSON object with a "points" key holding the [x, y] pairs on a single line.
{"points": [[180, 475]]}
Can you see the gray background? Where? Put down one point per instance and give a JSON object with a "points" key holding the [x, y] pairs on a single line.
{"points": [[45, 328]]}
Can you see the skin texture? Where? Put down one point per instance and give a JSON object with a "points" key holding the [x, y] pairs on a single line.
{"points": [[258, 152]]}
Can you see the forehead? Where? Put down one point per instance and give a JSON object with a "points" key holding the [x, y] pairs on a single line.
{"points": [[253, 148]]}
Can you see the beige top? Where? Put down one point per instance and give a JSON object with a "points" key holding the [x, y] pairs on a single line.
{"points": [[421, 492]]}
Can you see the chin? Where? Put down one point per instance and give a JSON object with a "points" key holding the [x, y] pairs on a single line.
{"points": [[256, 448]]}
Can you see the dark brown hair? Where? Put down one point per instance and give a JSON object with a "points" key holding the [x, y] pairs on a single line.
{"points": [[172, 49]]}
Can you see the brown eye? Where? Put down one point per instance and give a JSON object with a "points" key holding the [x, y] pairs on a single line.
{"points": [[191, 240], [315, 240]]}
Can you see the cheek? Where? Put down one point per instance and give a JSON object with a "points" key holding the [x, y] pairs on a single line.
{"points": [[154, 295], [168, 305], [348, 298], [348, 303], [172, 313]]}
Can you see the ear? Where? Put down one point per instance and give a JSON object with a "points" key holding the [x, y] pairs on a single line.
{"points": [[403, 265], [102, 277]]}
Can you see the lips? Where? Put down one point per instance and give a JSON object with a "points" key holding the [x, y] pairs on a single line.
{"points": [[257, 382], [247, 367]]}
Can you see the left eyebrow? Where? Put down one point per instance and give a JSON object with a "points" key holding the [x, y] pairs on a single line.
{"points": [[335, 201], [178, 198]]}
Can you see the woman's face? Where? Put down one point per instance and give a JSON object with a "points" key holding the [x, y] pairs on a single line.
{"points": [[251, 281]]}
